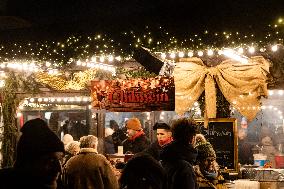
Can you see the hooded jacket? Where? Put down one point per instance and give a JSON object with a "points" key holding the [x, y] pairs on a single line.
{"points": [[177, 160]]}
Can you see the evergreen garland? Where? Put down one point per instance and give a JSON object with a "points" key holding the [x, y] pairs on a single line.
{"points": [[133, 74], [10, 135], [13, 83], [222, 105]]}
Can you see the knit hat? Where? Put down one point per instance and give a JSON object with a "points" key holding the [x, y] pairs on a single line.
{"points": [[161, 126], [37, 139], [205, 150], [134, 123]]}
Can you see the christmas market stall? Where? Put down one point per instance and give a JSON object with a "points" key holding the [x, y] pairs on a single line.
{"points": [[231, 83]]}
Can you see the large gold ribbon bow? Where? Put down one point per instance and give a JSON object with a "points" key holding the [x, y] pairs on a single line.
{"points": [[241, 84]]}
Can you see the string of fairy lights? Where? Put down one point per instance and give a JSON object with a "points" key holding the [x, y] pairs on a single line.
{"points": [[41, 102], [102, 48], [100, 51]]}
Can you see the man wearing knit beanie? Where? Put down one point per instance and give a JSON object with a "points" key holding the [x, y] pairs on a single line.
{"points": [[37, 165], [137, 140]]}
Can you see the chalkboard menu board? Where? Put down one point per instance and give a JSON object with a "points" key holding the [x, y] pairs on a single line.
{"points": [[222, 134]]}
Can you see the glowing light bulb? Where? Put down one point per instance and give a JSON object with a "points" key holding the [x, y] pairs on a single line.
{"points": [[210, 52], [200, 53], [190, 54], [181, 54], [47, 64], [251, 50], [241, 50], [172, 55], [274, 48]]}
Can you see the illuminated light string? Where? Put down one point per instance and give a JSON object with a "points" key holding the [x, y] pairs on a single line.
{"points": [[32, 67], [43, 106], [263, 107], [275, 92], [235, 107], [103, 45], [50, 55], [234, 53], [55, 100], [97, 65], [270, 107], [2, 79], [45, 102]]}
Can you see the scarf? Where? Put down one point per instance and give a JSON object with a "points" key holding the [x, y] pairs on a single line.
{"points": [[138, 134], [164, 142]]}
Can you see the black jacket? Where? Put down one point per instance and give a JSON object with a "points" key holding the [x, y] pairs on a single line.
{"points": [[138, 145], [11, 178], [177, 160], [154, 150], [108, 145]]}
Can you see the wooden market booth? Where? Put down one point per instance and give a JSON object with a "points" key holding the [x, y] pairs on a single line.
{"points": [[213, 74]]}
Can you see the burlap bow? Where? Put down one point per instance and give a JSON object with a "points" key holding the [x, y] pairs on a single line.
{"points": [[241, 84]]}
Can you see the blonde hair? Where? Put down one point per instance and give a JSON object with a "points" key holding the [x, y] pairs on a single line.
{"points": [[73, 147], [88, 141]]}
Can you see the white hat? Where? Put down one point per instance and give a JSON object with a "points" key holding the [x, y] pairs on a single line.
{"points": [[108, 131], [67, 138]]}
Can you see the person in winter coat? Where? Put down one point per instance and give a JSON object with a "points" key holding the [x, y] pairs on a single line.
{"points": [[164, 137], [137, 140], [39, 152], [142, 171], [206, 168], [88, 169], [71, 149], [119, 134], [179, 156], [108, 142], [268, 149]]}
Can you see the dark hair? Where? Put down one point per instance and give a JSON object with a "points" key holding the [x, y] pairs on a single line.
{"points": [[161, 125], [184, 129], [113, 124], [142, 171]]}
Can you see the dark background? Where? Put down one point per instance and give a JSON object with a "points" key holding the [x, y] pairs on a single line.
{"points": [[54, 18]]}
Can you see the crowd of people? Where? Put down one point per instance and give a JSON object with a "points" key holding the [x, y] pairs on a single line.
{"points": [[179, 158]]}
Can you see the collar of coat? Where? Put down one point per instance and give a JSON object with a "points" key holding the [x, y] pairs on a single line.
{"points": [[88, 150]]}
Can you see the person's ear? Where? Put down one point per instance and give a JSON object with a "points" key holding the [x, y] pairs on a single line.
{"points": [[193, 140]]}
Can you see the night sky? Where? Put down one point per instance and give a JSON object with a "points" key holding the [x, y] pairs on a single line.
{"points": [[179, 16]]}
